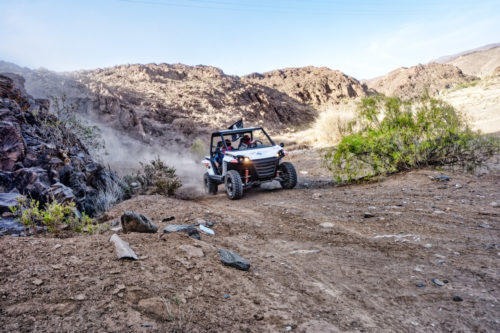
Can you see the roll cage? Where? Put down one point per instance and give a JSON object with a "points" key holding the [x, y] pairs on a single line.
{"points": [[236, 134]]}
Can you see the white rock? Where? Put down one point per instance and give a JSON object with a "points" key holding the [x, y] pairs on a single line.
{"points": [[123, 250], [305, 252]]}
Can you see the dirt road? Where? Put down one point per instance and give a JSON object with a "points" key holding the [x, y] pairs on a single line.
{"points": [[365, 259]]}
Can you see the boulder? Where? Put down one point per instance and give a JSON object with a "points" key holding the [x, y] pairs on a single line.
{"points": [[34, 182], [8, 200], [11, 145], [232, 259], [60, 192], [9, 226], [134, 222]]}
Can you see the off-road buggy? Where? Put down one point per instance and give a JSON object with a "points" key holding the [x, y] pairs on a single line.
{"points": [[243, 158]]}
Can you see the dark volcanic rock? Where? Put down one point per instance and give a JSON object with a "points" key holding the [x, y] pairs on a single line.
{"points": [[8, 200], [134, 222], [232, 259], [9, 226], [41, 158], [11, 145]]}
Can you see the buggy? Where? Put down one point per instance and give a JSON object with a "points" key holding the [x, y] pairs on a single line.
{"points": [[254, 159]]}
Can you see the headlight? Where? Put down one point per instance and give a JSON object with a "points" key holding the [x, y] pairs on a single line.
{"points": [[243, 159]]}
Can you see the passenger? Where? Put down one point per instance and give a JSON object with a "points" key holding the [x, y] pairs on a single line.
{"points": [[228, 145], [219, 155]]}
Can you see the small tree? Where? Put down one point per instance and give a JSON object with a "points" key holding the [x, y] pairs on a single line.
{"points": [[389, 135]]}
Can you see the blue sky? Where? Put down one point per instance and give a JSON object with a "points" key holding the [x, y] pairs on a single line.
{"points": [[361, 38]]}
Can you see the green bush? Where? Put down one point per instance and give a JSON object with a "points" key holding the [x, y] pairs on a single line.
{"points": [[55, 216], [389, 135], [155, 177]]}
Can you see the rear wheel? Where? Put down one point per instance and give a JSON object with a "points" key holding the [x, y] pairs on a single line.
{"points": [[234, 186], [288, 175], [210, 186]]}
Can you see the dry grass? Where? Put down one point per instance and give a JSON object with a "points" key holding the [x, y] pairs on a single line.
{"points": [[326, 130]]}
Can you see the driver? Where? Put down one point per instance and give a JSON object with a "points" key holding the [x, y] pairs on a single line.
{"points": [[245, 142]]}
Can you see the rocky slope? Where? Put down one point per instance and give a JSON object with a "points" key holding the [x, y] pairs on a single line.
{"points": [[41, 159], [167, 104], [409, 83], [481, 62], [319, 87]]}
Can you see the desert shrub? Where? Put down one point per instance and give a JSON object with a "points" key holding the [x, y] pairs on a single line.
{"points": [[154, 177], [389, 135], [465, 85], [55, 216]]}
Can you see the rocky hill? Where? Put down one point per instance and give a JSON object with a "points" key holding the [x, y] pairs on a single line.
{"points": [[317, 86], [408, 83], [481, 62], [42, 159], [174, 104]]}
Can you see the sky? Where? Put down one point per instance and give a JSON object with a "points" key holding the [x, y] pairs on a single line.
{"points": [[363, 39]]}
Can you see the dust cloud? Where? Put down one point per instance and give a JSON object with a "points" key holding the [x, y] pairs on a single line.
{"points": [[124, 155]]}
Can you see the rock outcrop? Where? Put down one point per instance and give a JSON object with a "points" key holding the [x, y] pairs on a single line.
{"points": [[316, 86], [42, 159], [409, 83]]}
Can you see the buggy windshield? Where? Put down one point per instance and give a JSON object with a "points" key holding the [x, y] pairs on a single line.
{"points": [[254, 138]]}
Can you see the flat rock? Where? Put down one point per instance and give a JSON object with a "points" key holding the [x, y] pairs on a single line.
{"points": [[9, 226], [442, 178], [123, 250], [232, 259], [8, 200], [326, 225], [305, 252], [438, 282], [192, 251], [135, 222], [207, 230], [189, 229], [37, 282]]}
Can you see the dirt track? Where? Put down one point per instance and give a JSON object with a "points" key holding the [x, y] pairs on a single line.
{"points": [[363, 278]]}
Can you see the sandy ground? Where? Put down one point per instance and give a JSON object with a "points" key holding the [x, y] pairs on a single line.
{"points": [[480, 103], [355, 274]]}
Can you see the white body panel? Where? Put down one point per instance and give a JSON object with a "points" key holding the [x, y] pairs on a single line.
{"points": [[253, 154]]}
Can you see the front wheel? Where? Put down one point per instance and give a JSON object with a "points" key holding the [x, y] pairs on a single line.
{"points": [[210, 185], [287, 173], [234, 185]]}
